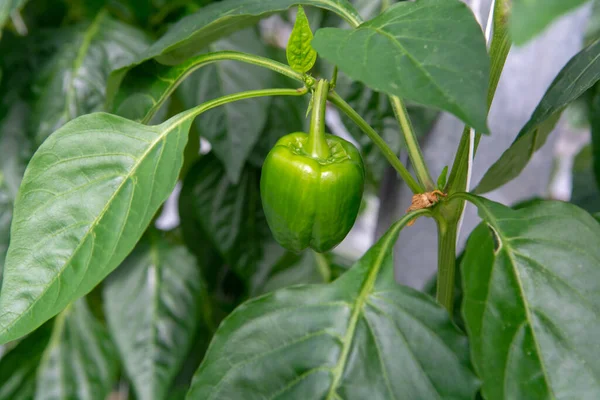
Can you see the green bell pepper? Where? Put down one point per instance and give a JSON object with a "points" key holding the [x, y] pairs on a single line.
{"points": [[312, 185]]}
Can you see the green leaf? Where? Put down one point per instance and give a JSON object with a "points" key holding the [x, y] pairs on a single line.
{"points": [[229, 214], [161, 287], [21, 58], [209, 258], [16, 150], [442, 179], [19, 365], [233, 129], [283, 268], [9, 8], [361, 337], [580, 73], [87, 196], [80, 361], [5, 219], [532, 301], [73, 82], [531, 17], [594, 120], [430, 51], [585, 193], [300, 54], [217, 20]]}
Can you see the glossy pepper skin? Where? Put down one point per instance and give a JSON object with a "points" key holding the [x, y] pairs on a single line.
{"points": [[311, 201]]}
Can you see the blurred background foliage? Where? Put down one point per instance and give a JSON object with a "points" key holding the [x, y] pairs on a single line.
{"points": [[210, 249]]}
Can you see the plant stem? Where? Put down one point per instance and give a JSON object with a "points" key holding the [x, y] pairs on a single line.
{"points": [[202, 60], [458, 181], [446, 262], [265, 62], [322, 266], [230, 98], [499, 48], [316, 144], [334, 78], [412, 144], [379, 142]]}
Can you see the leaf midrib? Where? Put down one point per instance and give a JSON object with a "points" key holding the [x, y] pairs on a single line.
{"points": [[358, 308]]}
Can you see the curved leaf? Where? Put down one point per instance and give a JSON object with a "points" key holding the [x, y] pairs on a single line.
{"points": [[233, 129], [80, 361], [361, 337], [73, 83], [87, 196], [19, 365], [531, 17], [194, 32], [430, 51], [532, 301], [229, 214], [152, 302], [580, 73]]}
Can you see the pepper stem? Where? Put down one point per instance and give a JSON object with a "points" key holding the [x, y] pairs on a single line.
{"points": [[316, 145]]}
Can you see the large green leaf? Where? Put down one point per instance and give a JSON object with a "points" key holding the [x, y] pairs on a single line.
{"points": [[215, 21], [73, 82], [361, 337], [80, 361], [229, 214], [233, 129], [19, 366], [531, 17], [152, 306], [580, 73], [532, 301], [87, 196], [430, 51]]}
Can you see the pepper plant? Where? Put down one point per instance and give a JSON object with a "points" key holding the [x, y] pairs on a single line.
{"points": [[102, 110]]}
